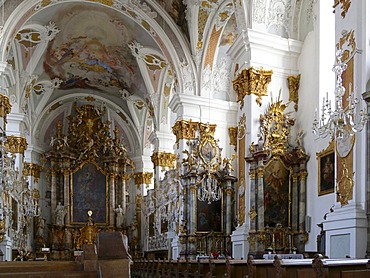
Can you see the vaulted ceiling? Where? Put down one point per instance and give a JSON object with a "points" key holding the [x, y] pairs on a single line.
{"points": [[129, 56]]}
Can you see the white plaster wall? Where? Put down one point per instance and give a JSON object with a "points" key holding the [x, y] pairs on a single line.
{"points": [[315, 64]]}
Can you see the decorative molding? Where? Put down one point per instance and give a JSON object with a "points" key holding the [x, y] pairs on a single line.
{"points": [[233, 132], [143, 178], [185, 129], [164, 159], [252, 81], [345, 6], [345, 185], [33, 170], [5, 106], [252, 214], [293, 85], [16, 144]]}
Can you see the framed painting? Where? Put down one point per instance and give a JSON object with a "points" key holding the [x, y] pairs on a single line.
{"points": [[277, 188], [89, 189], [326, 170], [209, 216]]}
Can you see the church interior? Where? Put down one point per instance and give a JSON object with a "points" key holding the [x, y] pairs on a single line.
{"points": [[185, 131]]}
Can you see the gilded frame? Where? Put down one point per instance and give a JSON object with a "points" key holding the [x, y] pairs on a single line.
{"points": [[326, 170], [96, 196]]}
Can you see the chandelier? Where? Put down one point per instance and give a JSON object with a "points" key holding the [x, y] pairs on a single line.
{"points": [[340, 122]]}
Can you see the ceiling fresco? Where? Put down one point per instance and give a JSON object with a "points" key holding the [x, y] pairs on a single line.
{"points": [[91, 52]]}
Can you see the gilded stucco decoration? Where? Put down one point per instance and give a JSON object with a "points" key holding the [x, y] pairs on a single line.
{"points": [[345, 186], [16, 144], [275, 126], [143, 178], [164, 160], [242, 126], [233, 133], [2, 229], [32, 169], [293, 85], [5, 106], [88, 139], [252, 81], [347, 43], [345, 4], [184, 129]]}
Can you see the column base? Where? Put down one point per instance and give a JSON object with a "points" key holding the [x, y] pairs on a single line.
{"points": [[6, 246], [346, 232], [240, 243]]}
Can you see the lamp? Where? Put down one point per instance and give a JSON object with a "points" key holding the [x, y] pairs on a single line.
{"points": [[333, 123]]}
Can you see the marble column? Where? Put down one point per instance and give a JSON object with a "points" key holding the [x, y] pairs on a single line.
{"points": [[366, 97]]}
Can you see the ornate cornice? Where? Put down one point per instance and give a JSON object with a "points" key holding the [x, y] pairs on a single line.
{"points": [[164, 159], [33, 170], [185, 129], [5, 106], [143, 178], [16, 144], [293, 85], [252, 81]]}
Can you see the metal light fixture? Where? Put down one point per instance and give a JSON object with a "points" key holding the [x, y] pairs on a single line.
{"points": [[340, 122]]}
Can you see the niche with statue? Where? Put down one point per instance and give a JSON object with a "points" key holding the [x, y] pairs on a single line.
{"points": [[278, 182]]}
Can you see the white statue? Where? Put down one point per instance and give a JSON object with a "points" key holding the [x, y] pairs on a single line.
{"points": [[60, 213], [40, 226], [119, 216]]}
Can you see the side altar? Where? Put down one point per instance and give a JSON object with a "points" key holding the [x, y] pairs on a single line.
{"points": [[278, 186], [88, 171]]}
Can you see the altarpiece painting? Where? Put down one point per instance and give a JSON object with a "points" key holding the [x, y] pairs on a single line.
{"points": [[89, 187]]}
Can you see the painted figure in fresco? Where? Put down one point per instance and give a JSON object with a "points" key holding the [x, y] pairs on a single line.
{"points": [[60, 213]]}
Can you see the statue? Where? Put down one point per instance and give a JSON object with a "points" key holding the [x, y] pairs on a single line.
{"points": [[60, 213], [119, 216], [40, 227]]}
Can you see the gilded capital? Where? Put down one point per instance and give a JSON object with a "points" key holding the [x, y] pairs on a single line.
{"points": [[164, 159], [143, 178], [185, 129], [5, 106], [293, 85], [252, 81], [229, 191], [260, 172], [295, 178], [16, 144], [252, 174], [33, 170]]}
